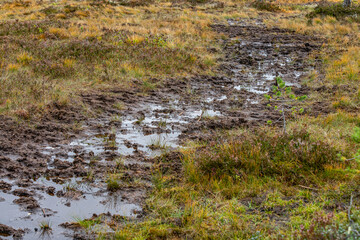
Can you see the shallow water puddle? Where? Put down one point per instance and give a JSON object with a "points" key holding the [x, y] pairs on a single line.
{"points": [[212, 99], [263, 57], [59, 203], [147, 132], [150, 134]]}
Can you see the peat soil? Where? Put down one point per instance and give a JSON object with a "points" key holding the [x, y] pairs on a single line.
{"points": [[51, 173]]}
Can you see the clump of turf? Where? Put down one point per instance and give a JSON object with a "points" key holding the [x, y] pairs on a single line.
{"points": [[130, 3], [265, 6], [338, 11]]}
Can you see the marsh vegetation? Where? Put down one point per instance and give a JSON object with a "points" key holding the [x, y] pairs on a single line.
{"points": [[152, 119]]}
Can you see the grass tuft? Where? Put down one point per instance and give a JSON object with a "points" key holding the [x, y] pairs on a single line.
{"points": [[266, 6], [88, 223]]}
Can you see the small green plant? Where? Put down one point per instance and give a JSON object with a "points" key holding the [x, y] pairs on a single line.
{"points": [[45, 225], [70, 187], [90, 175], [356, 135], [119, 105], [356, 157], [110, 140], [140, 120], [45, 228], [156, 41], [282, 100], [162, 123], [158, 143], [87, 223], [119, 162], [116, 119], [112, 183], [148, 86], [77, 126]]}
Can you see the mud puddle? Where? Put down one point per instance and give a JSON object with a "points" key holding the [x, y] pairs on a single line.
{"points": [[65, 178], [64, 193], [259, 54], [57, 203], [146, 132]]}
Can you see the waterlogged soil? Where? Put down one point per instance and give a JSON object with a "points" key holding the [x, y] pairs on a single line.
{"points": [[52, 173]]}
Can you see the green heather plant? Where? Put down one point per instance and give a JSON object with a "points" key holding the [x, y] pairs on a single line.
{"points": [[324, 226], [112, 183], [339, 11], [291, 158]]}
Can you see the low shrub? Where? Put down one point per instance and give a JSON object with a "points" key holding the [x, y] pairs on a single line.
{"points": [[265, 6], [338, 11], [324, 226], [292, 158]]}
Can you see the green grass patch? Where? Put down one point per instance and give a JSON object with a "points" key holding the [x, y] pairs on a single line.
{"points": [[292, 158], [339, 11]]}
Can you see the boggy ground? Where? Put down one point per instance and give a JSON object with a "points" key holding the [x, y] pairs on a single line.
{"points": [[68, 167]]}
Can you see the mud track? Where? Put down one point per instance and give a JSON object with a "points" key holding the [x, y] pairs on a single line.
{"points": [[53, 173]]}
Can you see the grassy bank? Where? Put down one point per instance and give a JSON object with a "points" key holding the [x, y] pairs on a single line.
{"points": [[251, 185]]}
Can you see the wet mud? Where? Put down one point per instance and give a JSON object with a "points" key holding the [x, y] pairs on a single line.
{"points": [[52, 173]]}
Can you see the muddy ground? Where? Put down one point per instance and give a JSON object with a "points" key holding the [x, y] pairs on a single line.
{"points": [[56, 170]]}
